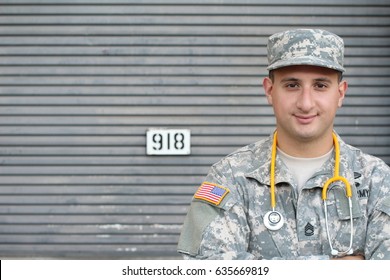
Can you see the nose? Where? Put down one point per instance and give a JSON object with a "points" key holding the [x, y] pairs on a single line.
{"points": [[305, 100]]}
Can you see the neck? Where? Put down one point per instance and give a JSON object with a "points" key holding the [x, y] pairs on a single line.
{"points": [[305, 148]]}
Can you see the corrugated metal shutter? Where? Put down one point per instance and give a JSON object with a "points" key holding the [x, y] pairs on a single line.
{"points": [[82, 81]]}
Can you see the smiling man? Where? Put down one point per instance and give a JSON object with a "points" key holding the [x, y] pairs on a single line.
{"points": [[305, 100], [296, 194]]}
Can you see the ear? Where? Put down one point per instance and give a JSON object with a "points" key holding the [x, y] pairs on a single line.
{"points": [[343, 86], [268, 85]]}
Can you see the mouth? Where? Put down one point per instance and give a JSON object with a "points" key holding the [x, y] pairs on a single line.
{"points": [[305, 119]]}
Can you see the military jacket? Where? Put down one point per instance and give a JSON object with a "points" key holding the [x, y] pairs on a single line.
{"points": [[233, 227]]}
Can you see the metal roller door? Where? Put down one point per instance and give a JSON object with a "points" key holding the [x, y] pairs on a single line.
{"points": [[82, 81]]}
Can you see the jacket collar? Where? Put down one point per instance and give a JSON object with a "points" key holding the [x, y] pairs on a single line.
{"points": [[262, 164]]}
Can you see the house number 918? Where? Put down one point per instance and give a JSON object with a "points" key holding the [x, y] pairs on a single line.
{"points": [[168, 142]]}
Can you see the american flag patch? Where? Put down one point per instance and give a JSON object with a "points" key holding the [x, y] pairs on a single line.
{"points": [[211, 193]]}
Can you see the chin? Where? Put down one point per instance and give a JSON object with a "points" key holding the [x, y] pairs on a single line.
{"points": [[306, 135]]}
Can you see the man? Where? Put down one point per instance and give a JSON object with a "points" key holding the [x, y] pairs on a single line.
{"points": [[253, 205]]}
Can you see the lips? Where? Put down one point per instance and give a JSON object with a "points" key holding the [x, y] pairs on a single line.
{"points": [[305, 119]]}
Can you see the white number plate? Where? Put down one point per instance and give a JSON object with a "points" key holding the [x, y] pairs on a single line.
{"points": [[168, 142]]}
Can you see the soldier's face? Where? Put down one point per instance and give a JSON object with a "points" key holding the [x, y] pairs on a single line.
{"points": [[305, 100]]}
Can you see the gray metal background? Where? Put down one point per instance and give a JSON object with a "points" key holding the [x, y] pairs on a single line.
{"points": [[82, 81]]}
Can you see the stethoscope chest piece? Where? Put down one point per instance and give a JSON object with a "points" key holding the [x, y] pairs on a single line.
{"points": [[273, 220]]}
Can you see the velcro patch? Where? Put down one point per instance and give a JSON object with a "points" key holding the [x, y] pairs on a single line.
{"points": [[211, 193]]}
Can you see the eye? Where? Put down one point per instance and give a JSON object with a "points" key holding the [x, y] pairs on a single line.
{"points": [[291, 85], [321, 85]]}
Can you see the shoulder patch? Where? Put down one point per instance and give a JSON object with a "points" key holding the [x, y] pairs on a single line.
{"points": [[212, 193]]}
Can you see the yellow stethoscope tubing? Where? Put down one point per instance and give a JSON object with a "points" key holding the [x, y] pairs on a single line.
{"points": [[272, 176], [336, 177], [348, 192]]}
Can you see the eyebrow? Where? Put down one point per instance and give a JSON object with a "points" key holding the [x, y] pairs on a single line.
{"points": [[288, 79], [291, 79], [323, 80]]}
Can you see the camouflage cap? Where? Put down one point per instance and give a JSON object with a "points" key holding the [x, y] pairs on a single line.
{"points": [[305, 47]]}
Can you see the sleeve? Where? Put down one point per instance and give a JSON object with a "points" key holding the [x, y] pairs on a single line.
{"points": [[218, 234], [378, 231], [213, 231]]}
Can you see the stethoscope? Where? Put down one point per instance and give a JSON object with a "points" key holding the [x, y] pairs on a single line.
{"points": [[273, 220]]}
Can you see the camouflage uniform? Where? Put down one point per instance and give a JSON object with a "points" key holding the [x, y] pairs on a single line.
{"points": [[234, 229]]}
